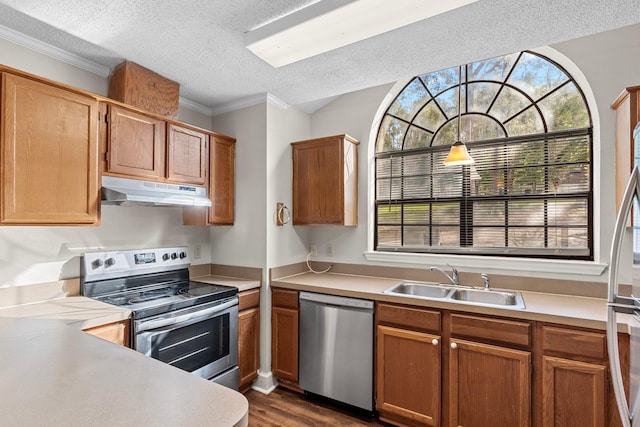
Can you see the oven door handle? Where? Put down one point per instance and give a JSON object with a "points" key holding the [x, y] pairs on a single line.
{"points": [[207, 312]]}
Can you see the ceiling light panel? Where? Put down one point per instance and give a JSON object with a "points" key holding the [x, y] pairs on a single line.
{"points": [[331, 24]]}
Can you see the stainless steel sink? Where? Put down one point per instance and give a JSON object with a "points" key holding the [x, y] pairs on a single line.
{"points": [[417, 289], [489, 297], [467, 295]]}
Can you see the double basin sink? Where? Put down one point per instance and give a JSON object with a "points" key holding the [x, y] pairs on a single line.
{"points": [[468, 295]]}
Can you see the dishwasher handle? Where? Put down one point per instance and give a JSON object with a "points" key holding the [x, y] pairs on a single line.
{"points": [[338, 301]]}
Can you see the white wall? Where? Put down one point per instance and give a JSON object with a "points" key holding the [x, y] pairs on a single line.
{"points": [[608, 61], [46, 254]]}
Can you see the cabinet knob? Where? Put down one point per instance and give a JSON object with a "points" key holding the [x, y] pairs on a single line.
{"points": [[454, 345], [434, 341]]}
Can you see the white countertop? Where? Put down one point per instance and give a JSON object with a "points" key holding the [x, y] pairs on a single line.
{"points": [[563, 309], [56, 375], [52, 373]]}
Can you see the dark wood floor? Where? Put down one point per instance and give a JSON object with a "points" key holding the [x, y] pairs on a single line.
{"points": [[285, 408]]}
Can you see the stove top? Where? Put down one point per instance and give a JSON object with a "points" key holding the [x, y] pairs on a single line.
{"points": [[148, 282]]}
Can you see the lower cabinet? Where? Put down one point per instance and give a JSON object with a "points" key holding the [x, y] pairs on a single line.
{"points": [[116, 332], [488, 385], [284, 336], [248, 337]]}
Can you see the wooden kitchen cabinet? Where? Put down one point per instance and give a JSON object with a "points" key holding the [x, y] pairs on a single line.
{"points": [[408, 365], [141, 145], [488, 385], [325, 181], [221, 186], [248, 337], [284, 336], [573, 377], [188, 155], [49, 154], [627, 107], [116, 332], [136, 144]]}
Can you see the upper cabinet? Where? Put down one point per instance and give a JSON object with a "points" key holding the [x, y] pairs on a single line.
{"points": [[221, 186], [325, 181], [49, 154], [144, 146], [627, 107]]}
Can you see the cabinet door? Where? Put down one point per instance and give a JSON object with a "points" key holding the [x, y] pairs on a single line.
{"points": [[573, 393], [221, 187], [489, 385], [284, 343], [136, 144], [317, 182], [117, 332], [49, 154], [408, 376], [188, 155], [248, 346]]}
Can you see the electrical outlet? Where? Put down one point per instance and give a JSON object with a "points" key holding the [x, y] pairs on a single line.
{"points": [[197, 252], [314, 250], [329, 249]]}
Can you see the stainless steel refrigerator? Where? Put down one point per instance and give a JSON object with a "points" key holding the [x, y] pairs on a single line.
{"points": [[627, 306]]}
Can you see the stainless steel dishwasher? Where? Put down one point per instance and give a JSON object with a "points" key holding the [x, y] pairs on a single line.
{"points": [[336, 348]]}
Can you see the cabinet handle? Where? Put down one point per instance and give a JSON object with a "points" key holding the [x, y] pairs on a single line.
{"points": [[434, 341], [454, 345]]}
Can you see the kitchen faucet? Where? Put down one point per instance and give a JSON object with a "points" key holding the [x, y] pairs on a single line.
{"points": [[454, 274], [487, 284]]}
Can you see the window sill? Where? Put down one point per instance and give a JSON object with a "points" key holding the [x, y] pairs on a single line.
{"points": [[546, 267]]}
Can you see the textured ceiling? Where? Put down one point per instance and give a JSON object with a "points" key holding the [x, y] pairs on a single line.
{"points": [[200, 44]]}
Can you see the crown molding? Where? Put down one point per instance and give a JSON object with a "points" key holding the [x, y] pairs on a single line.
{"points": [[192, 105], [53, 52], [263, 98]]}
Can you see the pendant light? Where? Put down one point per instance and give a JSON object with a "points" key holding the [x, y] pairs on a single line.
{"points": [[458, 154]]}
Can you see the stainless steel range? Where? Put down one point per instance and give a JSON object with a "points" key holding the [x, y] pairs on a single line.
{"points": [[190, 325]]}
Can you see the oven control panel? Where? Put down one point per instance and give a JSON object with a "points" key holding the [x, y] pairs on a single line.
{"points": [[98, 265]]}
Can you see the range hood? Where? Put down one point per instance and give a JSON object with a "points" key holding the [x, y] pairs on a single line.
{"points": [[125, 191]]}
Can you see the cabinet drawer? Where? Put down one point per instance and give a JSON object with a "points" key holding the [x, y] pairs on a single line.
{"points": [[499, 330], [284, 298], [572, 342], [412, 317], [248, 299]]}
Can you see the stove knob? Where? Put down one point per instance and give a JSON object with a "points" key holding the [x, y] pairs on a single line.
{"points": [[165, 257], [96, 263], [109, 262], [183, 255], [174, 255]]}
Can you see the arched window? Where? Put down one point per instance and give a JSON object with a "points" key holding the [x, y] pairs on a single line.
{"points": [[526, 123]]}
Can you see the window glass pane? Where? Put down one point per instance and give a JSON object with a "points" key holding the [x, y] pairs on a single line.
{"points": [[477, 128], [486, 237], [417, 187], [526, 212], [481, 96], [526, 237], [568, 179], [410, 100], [447, 185], [526, 123], [508, 103], [390, 214], [569, 150], [565, 109], [488, 213], [430, 117], [417, 138], [536, 76], [440, 80], [495, 69], [416, 236], [389, 188], [568, 212], [447, 134], [569, 237], [389, 235], [416, 214], [445, 213], [446, 236], [390, 135]]}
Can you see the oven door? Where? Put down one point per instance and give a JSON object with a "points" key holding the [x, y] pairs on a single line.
{"points": [[202, 340]]}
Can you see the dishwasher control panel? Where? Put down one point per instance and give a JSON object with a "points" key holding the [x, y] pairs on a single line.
{"points": [[336, 300]]}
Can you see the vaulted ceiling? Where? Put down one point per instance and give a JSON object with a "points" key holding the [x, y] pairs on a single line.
{"points": [[199, 43]]}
